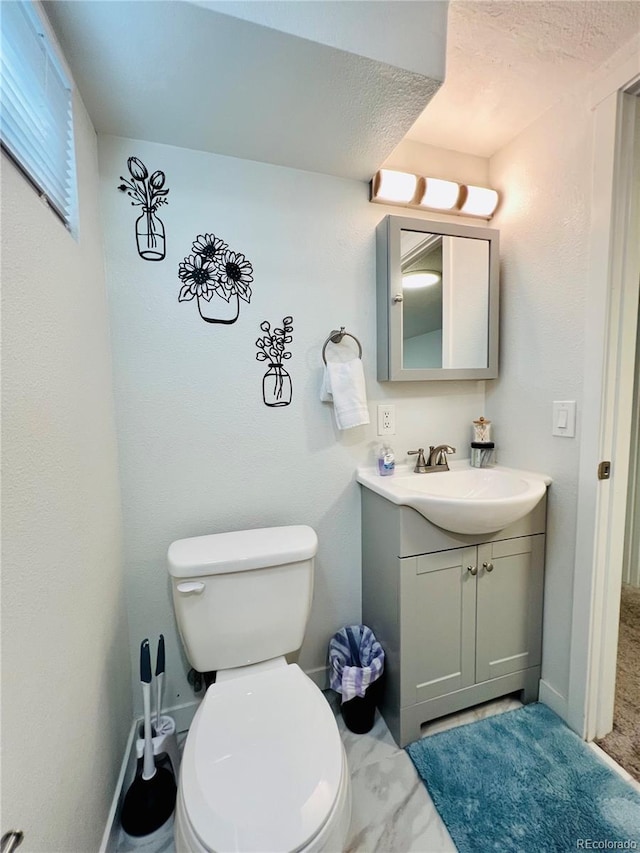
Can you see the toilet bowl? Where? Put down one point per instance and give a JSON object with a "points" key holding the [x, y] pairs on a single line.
{"points": [[263, 769]]}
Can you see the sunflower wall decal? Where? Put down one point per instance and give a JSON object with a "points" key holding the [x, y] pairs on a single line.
{"points": [[147, 192], [217, 277]]}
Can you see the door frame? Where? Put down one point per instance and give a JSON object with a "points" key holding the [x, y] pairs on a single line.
{"points": [[610, 335]]}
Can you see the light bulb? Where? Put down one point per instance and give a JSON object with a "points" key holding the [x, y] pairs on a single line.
{"points": [[480, 201], [394, 186], [440, 195], [414, 280]]}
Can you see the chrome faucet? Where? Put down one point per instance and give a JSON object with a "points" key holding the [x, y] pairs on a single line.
{"points": [[438, 456], [437, 460]]}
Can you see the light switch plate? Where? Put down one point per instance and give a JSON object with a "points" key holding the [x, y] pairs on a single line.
{"points": [[564, 418]]}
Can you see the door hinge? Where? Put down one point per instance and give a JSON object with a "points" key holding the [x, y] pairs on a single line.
{"points": [[604, 470]]}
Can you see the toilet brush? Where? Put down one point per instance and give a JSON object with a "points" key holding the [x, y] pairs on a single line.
{"points": [[159, 680], [151, 798]]}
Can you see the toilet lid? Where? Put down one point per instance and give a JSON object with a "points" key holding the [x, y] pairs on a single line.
{"points": [[262, 763]]}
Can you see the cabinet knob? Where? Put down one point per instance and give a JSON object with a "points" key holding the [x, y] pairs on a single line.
{"points": [[398, 298], [487, 567], [473, 570]]}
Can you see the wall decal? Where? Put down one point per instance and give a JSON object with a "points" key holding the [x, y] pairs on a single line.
{"points": [[276, 384], [217, 277], [147, 192]]}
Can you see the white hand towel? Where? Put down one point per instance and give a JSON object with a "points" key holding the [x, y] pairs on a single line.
{"points": [[343, 383]]}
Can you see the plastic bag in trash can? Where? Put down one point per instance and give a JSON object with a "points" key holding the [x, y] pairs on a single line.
{"points": [[356, 660]]}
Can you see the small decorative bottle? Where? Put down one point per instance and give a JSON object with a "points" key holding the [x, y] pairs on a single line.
{"points": [[481, 447], [482, 430], [386, 461]]}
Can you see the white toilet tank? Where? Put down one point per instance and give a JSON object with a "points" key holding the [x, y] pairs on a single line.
{"points": [[242, 597]]}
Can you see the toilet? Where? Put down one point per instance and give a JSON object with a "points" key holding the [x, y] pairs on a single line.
{"points": [[263, 768]]}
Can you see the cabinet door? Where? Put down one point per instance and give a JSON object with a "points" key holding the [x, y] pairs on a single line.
{"points": [[509, 606], [437, 614]]}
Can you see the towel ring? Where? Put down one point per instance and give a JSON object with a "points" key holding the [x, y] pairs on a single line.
{"points": [[336, 337]]}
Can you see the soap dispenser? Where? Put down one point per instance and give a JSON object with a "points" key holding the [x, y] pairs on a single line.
{"points": [[386, 461]]}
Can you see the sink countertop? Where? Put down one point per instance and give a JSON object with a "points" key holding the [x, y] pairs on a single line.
{"points": [[367, 475], [463, 499]]}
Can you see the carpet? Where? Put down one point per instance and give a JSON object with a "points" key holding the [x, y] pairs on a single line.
{"points": [[523, 781], [623, 743]]}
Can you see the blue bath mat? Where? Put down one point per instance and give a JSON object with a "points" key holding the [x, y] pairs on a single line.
{"points": [[523, 781]]}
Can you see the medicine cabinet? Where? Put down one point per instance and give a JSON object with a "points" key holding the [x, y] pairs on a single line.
{"points": [[438, 296]]}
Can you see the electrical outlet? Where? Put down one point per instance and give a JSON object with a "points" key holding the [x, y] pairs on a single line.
{"points": [[386, 420]]}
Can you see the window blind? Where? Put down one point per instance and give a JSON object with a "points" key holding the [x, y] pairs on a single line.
{"points": [[36, 125]]}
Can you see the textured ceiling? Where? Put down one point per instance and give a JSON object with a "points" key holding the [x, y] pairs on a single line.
{"points": [[189, 76], [329, 85], [509, 60]]}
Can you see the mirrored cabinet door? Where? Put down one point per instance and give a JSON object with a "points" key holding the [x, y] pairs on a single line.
{"points": [[437, 300]]}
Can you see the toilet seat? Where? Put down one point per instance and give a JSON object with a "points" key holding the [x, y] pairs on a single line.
{"points": [[263, 763]]}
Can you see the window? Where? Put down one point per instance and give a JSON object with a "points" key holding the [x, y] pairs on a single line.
{"points": [[36, 127]]}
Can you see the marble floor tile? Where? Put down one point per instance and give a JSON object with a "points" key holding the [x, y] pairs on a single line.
{"points": [[470, 715], [392, 811], [369, 748]]}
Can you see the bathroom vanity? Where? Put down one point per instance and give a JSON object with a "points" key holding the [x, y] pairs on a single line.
{"points": [[458, 615]]}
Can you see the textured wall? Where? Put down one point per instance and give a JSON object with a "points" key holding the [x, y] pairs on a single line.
{"points": [[544, 216], [66, 702], [199, 450]]}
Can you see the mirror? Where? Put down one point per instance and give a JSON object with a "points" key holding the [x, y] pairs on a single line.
{"points": [[437, 300]]}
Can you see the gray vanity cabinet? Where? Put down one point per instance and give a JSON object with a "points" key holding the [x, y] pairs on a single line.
{"points": [[459, 617]]}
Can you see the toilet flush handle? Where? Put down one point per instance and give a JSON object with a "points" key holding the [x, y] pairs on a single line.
{"points": [[190, 588]]}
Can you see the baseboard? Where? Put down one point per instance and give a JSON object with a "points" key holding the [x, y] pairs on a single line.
{"points": [[183, 715], [111, 830], [556, 701], [320, 676]]}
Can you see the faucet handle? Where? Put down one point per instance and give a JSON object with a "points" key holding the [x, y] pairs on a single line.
{"points": [[421, 465]]}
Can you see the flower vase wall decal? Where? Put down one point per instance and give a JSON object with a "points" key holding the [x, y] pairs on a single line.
{"points": [[217, 278], [277, 389], [148, 193]]}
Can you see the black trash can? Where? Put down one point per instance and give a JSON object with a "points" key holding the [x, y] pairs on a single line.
{"points": [[356, 665]]}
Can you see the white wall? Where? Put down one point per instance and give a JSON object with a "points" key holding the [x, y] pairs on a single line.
{"points": [[199, 451], [66, 702], [544, 177], [434, 162]]}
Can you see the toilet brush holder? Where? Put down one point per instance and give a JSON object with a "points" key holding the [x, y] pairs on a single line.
{"points": [[165, 742]]}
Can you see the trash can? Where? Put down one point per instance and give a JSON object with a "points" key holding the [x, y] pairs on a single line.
{"points": [[356, 670]]}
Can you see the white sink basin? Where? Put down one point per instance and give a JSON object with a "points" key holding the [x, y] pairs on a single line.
{"points": [[463, 499]]}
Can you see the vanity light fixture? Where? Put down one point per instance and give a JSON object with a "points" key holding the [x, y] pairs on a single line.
{"points": [[420, 278], [391, 187]]}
